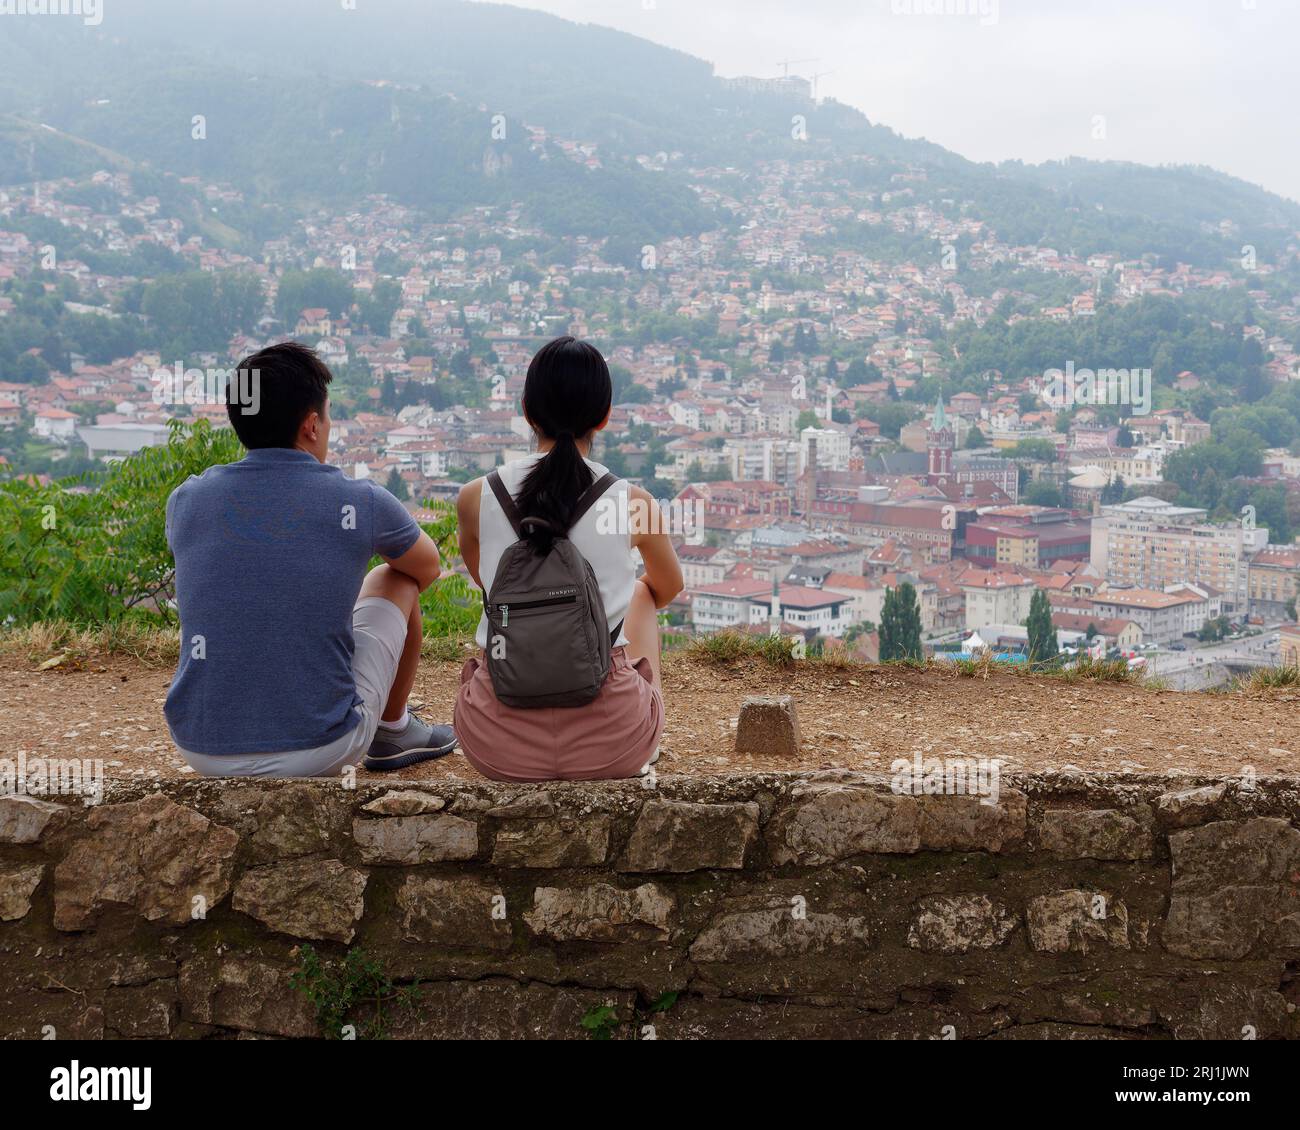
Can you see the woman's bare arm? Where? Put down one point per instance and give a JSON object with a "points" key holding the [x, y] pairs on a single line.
{"points": [[467, 503], [649, 534]]}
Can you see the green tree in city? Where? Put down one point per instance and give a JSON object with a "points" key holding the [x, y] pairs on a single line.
{"points": [[862, 372], [319, 288], [900, 625], [1114, 490], [1042, 493], [396, 486], [1042, 636], [378, 307]]}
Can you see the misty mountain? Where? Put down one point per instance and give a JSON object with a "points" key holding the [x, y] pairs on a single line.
{"points": [[305, 101]]}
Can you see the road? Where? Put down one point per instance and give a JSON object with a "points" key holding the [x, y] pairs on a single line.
{"points": [[1179, 665]]}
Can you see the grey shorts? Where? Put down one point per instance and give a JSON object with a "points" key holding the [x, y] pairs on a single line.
{"points": [[379, 635]]}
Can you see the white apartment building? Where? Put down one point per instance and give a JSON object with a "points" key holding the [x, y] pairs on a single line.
{"points": [[1140, 466], [744, 604], [996, 598], [729, 604], [116, 441], [685, 413], [55, 424], [832, 447], [1152, 544], [766, 459], [866, 595], [826, 613], [704, 564]]}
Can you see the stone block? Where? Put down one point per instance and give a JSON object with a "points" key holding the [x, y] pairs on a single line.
{"points": [[306, 898], [1183, 808], [768, 725], [955, 924], [1236, 883], [460, 913], [681, 836], [1098, 833], [563, 841], [832, 823], [1076, 922], [245, 994], [404, 802], [18, 882], [601, 913], [779, 934], [26, 819], [165, 861], [408, 840]]}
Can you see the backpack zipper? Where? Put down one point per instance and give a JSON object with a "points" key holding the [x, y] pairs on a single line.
{"points": [[504, 609]]}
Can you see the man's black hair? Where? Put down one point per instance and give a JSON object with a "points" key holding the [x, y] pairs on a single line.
{"points": [[292, 382]]}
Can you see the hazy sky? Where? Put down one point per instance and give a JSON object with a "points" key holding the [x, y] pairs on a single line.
{"points": [[1210, 82]]}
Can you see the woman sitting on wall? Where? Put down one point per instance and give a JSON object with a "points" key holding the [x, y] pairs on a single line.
{"points": [[567, 685]]}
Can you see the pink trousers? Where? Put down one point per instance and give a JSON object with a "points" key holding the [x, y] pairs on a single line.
{"points": [[612, 736]]}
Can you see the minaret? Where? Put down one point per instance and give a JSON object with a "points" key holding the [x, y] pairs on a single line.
{"points": [[940, 442], [774, 621]]}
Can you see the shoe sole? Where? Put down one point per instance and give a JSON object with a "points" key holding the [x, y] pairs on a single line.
{"points": [[407, 758]]}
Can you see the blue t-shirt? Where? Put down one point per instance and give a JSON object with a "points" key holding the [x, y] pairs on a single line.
{"points": [[270, 555]]}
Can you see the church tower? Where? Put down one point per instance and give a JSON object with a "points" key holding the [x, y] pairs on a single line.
{"points": [[940, 442]]}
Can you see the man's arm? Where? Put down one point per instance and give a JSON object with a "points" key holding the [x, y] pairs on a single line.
{"points": [[421, 562], [391, 531]]}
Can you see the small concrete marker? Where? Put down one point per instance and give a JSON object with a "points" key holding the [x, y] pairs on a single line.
{"points": [[768, 725]]}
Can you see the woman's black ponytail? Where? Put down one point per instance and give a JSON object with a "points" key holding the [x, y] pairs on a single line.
{"points": [[567, 395]]}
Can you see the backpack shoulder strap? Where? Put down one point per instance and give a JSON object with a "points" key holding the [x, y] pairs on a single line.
{"points": [[591, 495], [506, 503]]}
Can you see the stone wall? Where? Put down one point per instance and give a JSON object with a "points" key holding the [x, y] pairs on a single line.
{"points": [[772, 905]]}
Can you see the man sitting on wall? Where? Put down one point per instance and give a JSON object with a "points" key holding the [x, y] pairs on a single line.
{"points": [[295, 661]]}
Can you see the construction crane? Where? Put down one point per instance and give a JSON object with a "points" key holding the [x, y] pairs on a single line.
{"points": [[820, 74], [786, 64]]}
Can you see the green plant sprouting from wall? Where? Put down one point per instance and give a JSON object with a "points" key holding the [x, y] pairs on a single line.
{"points": [[350, 997]]}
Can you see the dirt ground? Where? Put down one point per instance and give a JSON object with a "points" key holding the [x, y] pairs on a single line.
{"points": [[863, 718]]}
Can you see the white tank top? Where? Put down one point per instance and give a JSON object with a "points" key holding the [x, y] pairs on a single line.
{"points": [[602, 536]]}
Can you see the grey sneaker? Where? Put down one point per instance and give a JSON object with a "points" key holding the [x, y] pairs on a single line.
{"points": [[418, 742]]}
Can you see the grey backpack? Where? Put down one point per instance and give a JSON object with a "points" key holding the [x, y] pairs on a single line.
{"points": [[548, 639]]}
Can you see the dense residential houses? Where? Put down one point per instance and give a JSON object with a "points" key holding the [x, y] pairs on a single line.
{"points": [[806, 504]]}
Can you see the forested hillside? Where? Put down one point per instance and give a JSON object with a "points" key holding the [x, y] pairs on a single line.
{"points": [[290, 108]]}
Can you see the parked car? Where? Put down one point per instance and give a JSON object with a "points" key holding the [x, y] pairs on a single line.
{"points": [[1177, 646]]}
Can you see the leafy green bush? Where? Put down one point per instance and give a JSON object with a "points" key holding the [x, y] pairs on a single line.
{"points": [[93, 550], [452, 606]]}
